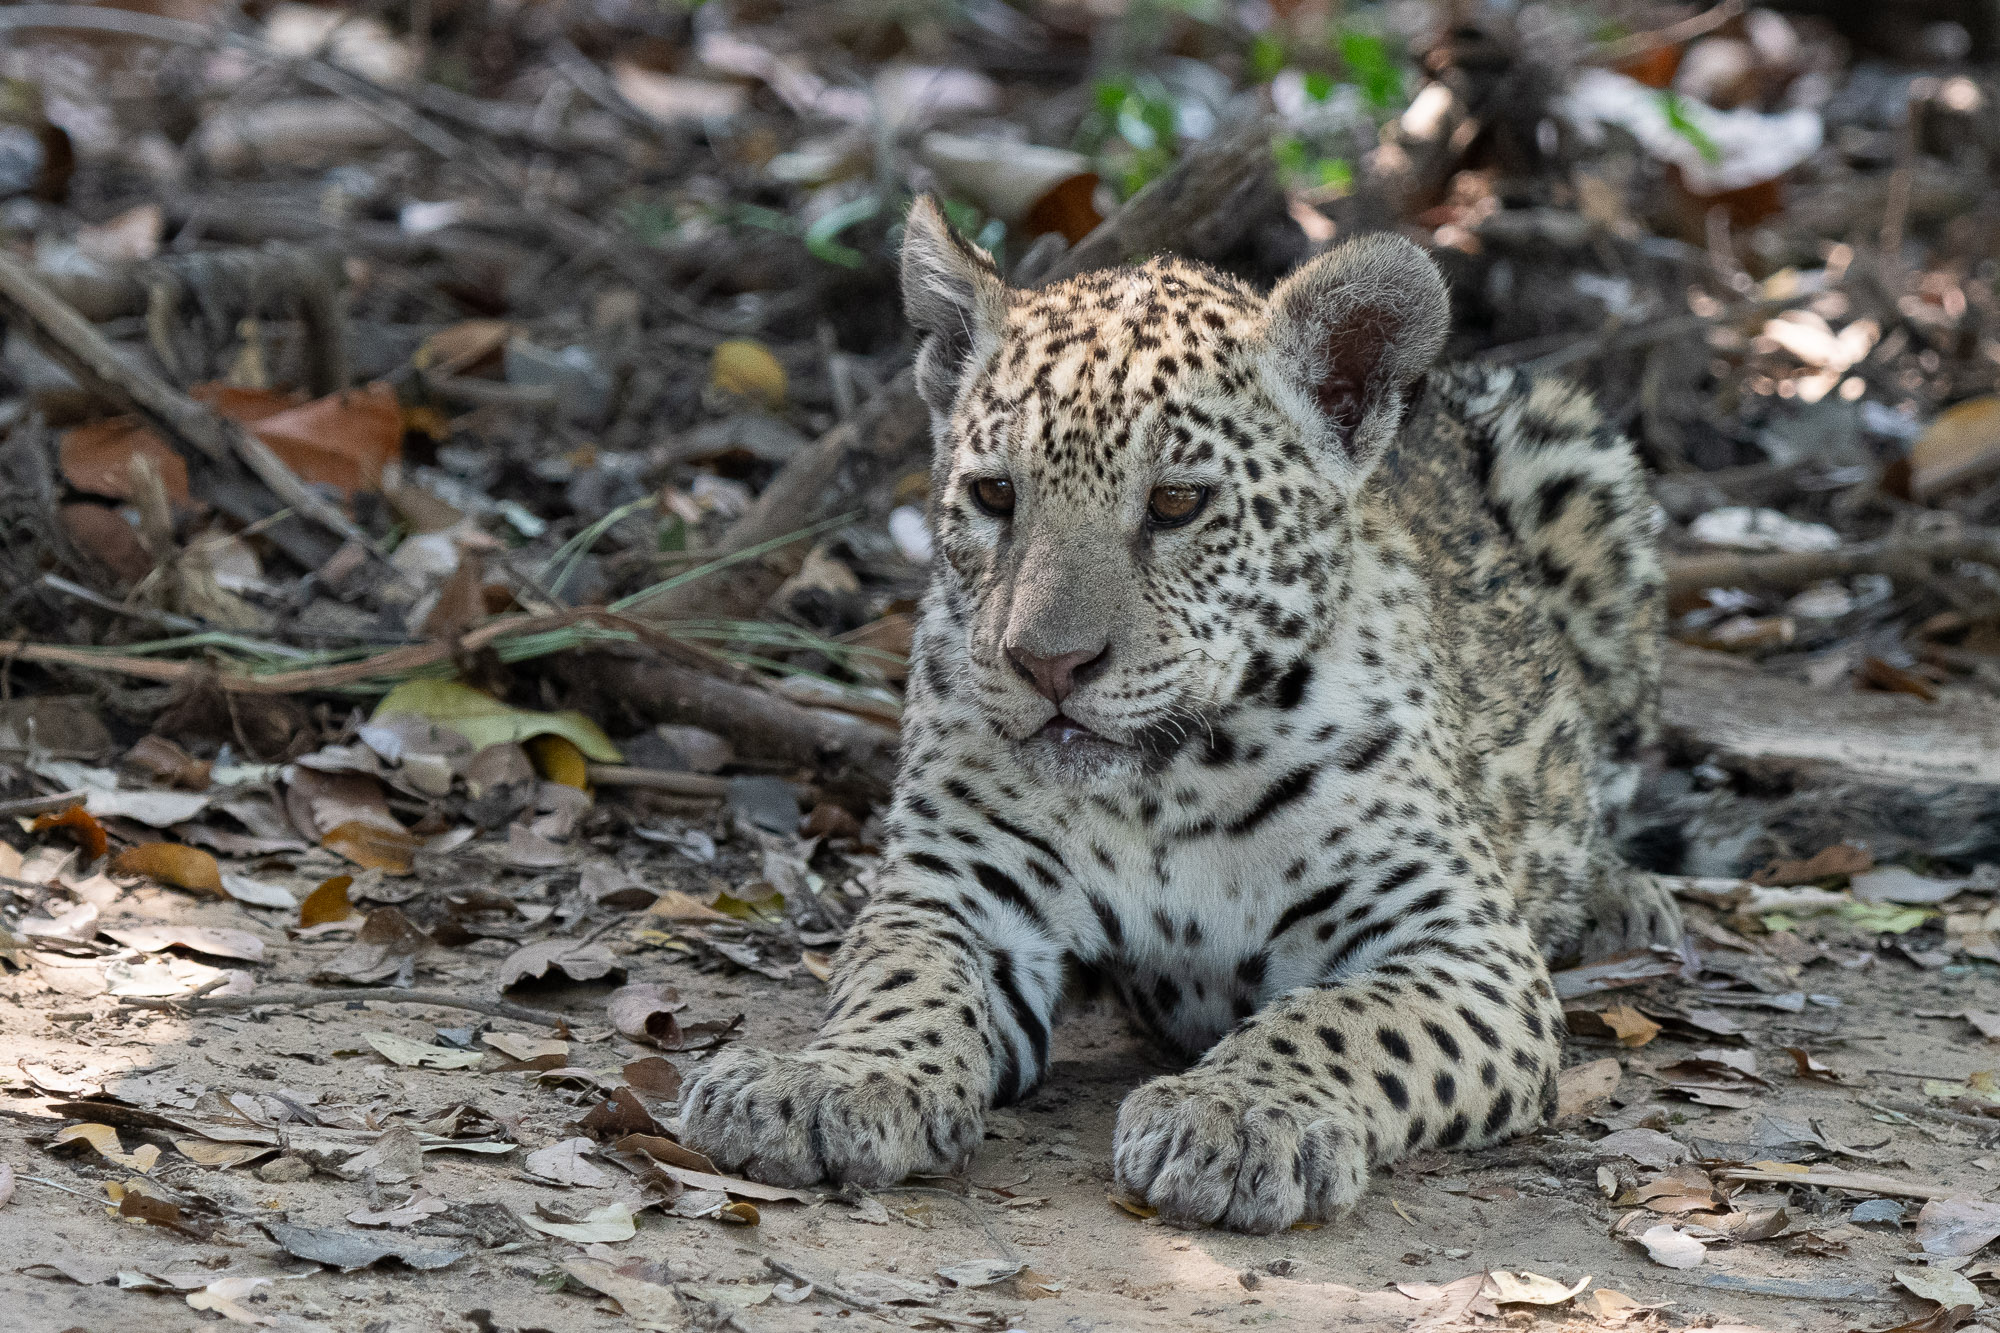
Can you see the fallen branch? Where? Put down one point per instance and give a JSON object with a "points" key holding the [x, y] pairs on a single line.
{"points": [[26, 302], [1898, 557], [1865, 1182], [300, 997]]}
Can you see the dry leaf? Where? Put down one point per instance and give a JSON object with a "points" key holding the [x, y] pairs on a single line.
{"points": [[647, 1305], [216, 941], [1504, 1288], [984, 1272], [573, 958], [1842, 858], [1961, 445], [373, 847], [224, 1297], [387, 945], [1957, 1226], [607, 1225], [1672, 1248], [98, 458], [1581, 1087], [1942, 1285], [465, 348], [485, 721], [1621, 1021], [746, 368], [654, 1078], [327, 903], [6, 1184], [419, 1054], [172, 863], [344, 440], [563, 1164], [644, 1011], [89, 834], [349, 1250], [1137, 1207], [103, 1140]]}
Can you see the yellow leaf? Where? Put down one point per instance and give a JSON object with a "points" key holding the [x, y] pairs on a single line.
{"points": [[768, 910], [327, 903], [557, 759], [103, 1140], [172, 863], [745, 367], [742, 1214], [1136, 1207], [484, 720]]}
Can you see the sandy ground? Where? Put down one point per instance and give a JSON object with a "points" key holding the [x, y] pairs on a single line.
{"points": [[1534, 1204]]}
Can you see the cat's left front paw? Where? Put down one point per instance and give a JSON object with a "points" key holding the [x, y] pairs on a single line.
{"points": [[1202, 1151]]}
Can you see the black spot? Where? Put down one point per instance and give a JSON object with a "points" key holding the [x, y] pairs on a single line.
{"points": [[937, 865], [1503, 1110], [1393, 1089], [1250, 972], [1369, 751], [900, 977], [1283, 1047], [1480, 1028], [1446, 1088], [1333, 1040], [1292, 685], [1279, 794], [1445, 1041], [1392, 1042], [1313, 905], [1267, 513]]}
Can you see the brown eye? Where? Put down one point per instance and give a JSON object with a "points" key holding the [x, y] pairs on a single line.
{"points": [[995, 495], [1171, 506]]}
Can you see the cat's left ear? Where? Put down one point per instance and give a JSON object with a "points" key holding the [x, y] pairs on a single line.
{"points": [[1348, 334]]}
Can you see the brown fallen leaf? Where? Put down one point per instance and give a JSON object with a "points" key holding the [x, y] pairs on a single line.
{"points": [[1810, 1066], [644, 1011], [666, 1150], [1842, 858], [172, 863], [100, 532], [1877, 674], [157, 757], [655, 1078], [81, 825], [1961, 445], [328, 902], [343, 440], [1622, 1022], [373, 847], [98, 457], [215, 941], [620, 1116], [387, 945]]}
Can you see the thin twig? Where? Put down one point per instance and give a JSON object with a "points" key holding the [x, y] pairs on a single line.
{"points": [[39, 805], [300, 997], [796, 1274], [1643, 43], [658, 779]]}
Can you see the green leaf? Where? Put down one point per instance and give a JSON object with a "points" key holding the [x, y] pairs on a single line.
{"points": [[820, 236], [1267, 57], [768, 910], [1678, 122], [484, 720], [1319, 86], [1369, 59], [1884, 918]]}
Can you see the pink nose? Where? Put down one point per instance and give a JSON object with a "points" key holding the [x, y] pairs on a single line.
{"points": [[1055, 678]]}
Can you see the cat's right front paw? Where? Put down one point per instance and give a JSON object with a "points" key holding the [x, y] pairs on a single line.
{"points": [[834, 1116]]}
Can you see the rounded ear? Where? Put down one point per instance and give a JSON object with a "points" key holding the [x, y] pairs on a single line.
{"points": [[1350, 333], [952, 294]]}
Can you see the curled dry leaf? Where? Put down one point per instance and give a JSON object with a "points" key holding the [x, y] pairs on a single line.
{"points": [[387, 945], [985, 1272], [89, 834], [745, 367], [644, 1011], [648, 1305], [224, 1296], [1581, 1087], [103, 1140], [1943, 1285]]}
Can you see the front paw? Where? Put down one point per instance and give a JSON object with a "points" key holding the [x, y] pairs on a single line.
{"points": [[828, 1116], [1202, 1151]]}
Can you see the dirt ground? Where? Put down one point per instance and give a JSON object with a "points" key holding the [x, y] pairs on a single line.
{"points": [[1037, 1192]]}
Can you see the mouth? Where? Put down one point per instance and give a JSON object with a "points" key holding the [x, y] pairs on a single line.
{"points": [[1065, 731]]}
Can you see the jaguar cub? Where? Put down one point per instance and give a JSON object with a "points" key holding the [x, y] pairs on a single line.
{"points": [[1268, 673]]}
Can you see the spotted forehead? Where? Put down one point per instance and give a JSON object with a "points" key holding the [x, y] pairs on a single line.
{"points": [[1081, 362]]}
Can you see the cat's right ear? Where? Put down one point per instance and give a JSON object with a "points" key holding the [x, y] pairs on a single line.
{"points": [[953, 295]]}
